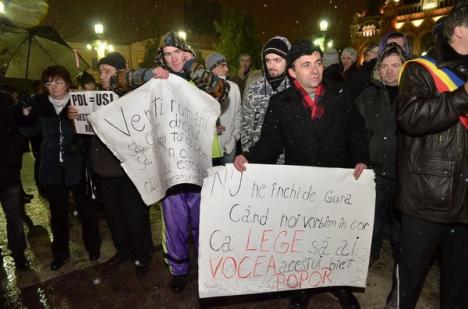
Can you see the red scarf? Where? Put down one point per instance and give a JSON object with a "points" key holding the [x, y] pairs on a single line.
{"points": [[317, 111]]}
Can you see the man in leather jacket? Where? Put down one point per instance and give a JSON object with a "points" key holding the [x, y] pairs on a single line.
{"points": [[432, 163]]}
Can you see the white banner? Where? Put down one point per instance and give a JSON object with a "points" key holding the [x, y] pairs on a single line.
{"points": [[162, 132], [277, 227], [87, 102]]}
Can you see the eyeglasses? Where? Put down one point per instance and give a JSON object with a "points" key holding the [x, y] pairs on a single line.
{"points": [[56, 82]]}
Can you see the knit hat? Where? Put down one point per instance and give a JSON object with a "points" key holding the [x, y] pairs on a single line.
{"points": [[171, 39], [351, 52], [277, 45], [115, 60], [214, 60], [330, 56], [300, 48], [85, 78]]}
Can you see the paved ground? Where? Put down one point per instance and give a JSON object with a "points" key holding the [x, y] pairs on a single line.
{"points": [[84, 284]]}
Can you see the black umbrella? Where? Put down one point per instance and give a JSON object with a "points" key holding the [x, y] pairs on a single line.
{"points": [[26, 53]]}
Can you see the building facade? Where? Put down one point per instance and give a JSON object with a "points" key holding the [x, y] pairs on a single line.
{"points": [[414, 18]]}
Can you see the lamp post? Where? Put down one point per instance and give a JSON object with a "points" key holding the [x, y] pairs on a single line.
{"points": [[323, 25], [323, 41], [100, 45], [182, 35]]}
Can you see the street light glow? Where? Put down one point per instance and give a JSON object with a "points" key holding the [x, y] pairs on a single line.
{"points": [[110, 48], [98, 28], [330, 44], [89, 47], [182, 35], [2, 8], [323, 25]]}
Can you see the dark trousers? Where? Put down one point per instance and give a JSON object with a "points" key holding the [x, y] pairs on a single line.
{"points": [[128, 218], [11, 200], [57, 196], [421, 242], [385, 213]]}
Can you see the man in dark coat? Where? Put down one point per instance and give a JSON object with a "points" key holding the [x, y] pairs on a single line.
{"points": [[126, 213], [10, 186], [377, 105], [316, 125], [432, 166]]}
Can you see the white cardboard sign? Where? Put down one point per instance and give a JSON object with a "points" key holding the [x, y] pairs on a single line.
{"points": [[162, 133], [87, 102], [277, 227]]}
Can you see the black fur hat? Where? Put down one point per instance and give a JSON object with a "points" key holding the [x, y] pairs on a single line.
{"points": [[300, 48]]}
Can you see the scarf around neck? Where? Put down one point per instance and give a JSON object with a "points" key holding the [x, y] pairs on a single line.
{"points": [[59, 104], [317, 111]]}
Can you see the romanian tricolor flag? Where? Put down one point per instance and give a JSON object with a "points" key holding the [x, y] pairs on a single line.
{"points": [[444, 79]]}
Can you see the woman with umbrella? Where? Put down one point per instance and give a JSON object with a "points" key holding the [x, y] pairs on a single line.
{"points": [[61, 168]]}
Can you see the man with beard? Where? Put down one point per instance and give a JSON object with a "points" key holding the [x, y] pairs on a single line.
{"points": [[258, 93]]}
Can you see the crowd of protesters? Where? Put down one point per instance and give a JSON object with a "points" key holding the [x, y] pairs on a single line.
{"points": [[405, 117]]}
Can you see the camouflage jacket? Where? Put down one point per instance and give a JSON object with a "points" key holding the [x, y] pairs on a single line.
{"points": [[254, 106], [126, 80]]}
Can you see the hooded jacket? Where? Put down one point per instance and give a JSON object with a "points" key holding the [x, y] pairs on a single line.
{"points": [[255, 103], [432, 158], [380, 118], [361, 78], [126, 80]]}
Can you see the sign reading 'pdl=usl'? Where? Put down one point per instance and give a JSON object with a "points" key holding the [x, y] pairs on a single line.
{"points": [[86, 102]]}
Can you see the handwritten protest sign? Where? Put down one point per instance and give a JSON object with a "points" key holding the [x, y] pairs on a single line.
{"points": [[162, 133], [275, 228], [87, 102]]}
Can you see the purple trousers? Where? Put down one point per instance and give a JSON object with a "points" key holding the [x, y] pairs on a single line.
{"points": [[181, 213]]}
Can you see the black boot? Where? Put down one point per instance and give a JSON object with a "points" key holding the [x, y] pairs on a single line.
{"points": [[21, 261], [346, 298], [116, 259], [57, 263], [178, 283], [299, 300], [141, 268]]}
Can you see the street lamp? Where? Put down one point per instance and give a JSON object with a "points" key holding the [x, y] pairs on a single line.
{"points": [[99, 45], [323, 25], [99, 29], [182, 35], [323, 41]]}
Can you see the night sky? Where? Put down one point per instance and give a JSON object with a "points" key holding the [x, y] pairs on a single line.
{"points": [[129, 21]]}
